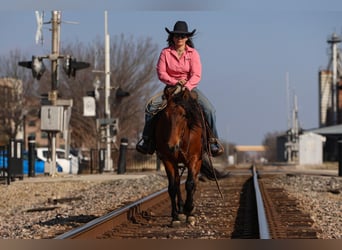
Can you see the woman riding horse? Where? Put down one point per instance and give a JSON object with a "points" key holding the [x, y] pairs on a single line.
{"points": [[180, 64]]}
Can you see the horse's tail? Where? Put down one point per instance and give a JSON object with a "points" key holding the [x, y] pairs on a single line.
{"points": [[210, 172]]}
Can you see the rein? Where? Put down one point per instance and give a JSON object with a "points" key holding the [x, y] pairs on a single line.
{"points": [[205, 138]]}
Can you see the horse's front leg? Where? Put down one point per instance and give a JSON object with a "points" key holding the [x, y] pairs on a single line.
{"points": [[173, 188], [190, 186]]}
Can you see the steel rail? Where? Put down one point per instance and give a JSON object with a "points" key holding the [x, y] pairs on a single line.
{"points": [[262, 220], [89, 230], [124, 211]]}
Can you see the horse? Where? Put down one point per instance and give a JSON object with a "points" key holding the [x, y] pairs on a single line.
{"points": [[180, 139]]}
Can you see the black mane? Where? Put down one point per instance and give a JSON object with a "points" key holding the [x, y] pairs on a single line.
{"points": [[192, 109]]}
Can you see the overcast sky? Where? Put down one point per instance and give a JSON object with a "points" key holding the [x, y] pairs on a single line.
{"points": [[246, 48]]}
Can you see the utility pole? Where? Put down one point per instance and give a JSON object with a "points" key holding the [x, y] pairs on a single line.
{"points": [[295, 126], [288, 101], [292, 144], [107, 126], [53, 94], [108, 159]]}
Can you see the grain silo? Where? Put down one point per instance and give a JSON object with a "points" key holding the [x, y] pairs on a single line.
{"points": [[325, 98]]}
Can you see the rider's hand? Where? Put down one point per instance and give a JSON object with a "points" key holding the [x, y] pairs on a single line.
{"points": [[182, 82]]}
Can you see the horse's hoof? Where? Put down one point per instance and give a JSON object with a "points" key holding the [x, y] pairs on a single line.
{"points": [[175, 223], [191, 220], [182, 217]]}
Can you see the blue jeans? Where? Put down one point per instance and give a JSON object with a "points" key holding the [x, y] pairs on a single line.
{"points": [[208, 110], [156, 102]]}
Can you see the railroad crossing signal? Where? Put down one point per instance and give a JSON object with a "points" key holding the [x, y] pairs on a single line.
{"points": [[101, 124], [36, 65], [71, 66], [55, 120]]}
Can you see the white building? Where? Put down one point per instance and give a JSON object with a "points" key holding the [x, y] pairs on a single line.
{"points": [[311, 149]]}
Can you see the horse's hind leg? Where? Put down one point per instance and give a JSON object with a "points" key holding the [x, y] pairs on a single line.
{"points": [[190, 187], [180, 202]]}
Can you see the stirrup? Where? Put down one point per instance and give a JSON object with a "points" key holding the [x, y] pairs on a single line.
{"points": [[144, 146], [216, 148]]}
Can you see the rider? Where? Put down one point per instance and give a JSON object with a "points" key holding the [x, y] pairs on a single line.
{"points": [[179, 63]]}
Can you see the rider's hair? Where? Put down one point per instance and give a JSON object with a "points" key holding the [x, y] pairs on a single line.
{"points": [[170, 42]]}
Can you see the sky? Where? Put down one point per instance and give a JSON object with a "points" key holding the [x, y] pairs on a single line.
{"points": [[247, 49]]}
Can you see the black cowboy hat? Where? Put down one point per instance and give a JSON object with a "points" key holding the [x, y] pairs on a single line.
{"points": [[180, 27]]}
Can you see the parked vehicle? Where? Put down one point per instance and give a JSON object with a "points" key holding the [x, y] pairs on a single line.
{"points": [[69, 165], [38, 164]]}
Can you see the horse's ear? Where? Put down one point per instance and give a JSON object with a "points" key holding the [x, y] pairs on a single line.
{"points": [[173, 90], [194, 95], [178, 89], [187, 94]]}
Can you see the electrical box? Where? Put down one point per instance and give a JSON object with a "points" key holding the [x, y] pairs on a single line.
{"points": [[52, 118], [89, 106]]}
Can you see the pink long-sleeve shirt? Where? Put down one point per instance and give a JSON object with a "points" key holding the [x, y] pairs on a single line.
{"points": [[172, 69]]}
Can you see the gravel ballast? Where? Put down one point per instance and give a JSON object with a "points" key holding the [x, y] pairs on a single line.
{"points": [[42, 207]]}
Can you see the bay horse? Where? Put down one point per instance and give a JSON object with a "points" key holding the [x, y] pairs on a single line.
{"points": [[180, 139]]}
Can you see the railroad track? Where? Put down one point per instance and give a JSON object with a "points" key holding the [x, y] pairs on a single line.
{"points": [[284, 218], [239, 215]]}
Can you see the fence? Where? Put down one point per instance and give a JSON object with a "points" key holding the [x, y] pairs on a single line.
{"points": [[4, 176], [135, 162], [11, 161]]}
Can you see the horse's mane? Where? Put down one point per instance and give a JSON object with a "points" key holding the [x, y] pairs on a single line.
{"points": [[191, 107]]}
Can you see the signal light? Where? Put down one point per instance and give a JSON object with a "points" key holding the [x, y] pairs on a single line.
{"points": [[36, 65], [121, 93], [91, 93], [71, 66]]}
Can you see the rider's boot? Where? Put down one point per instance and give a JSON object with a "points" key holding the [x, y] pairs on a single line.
{"points": [[146, 144], [216, 148]]}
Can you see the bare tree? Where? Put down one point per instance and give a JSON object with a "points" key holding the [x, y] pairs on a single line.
{"points": [[270, 143], [9, 68], [11, 107], [16, 84], [132, 69]]}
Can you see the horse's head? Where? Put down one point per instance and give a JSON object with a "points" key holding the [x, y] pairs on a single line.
{"points": [[181, 115]]}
